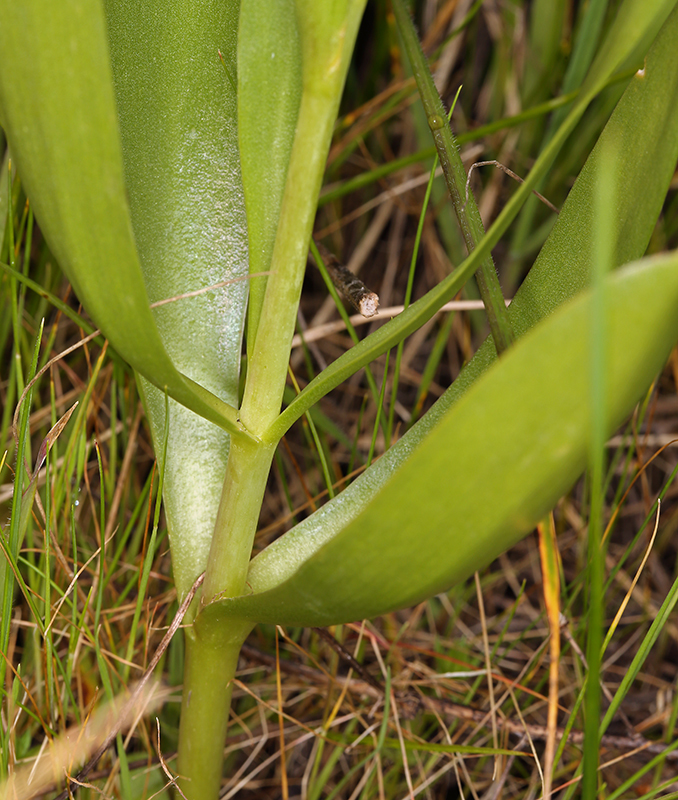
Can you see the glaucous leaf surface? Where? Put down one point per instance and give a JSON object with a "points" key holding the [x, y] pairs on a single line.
{"points": [[178, 121]]}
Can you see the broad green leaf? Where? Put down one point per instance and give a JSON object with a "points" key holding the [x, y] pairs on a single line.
{"points": [[647, 113], [178, 117], [269, 92], [58, 108], [499, 460]]}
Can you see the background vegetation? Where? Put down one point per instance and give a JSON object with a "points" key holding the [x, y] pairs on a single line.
{"points": [[330, 729]]}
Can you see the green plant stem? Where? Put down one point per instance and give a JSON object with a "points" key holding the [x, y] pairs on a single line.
{"points": [[467, 212], [210, 666], [267, 369], [244, 486], [213, 645]]}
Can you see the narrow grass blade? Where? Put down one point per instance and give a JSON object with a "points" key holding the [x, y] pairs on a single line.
{"points": [[150, 552], [605, 196], [455, 176], [28, 495], [20, 511], [643, 651], [550, 570]]}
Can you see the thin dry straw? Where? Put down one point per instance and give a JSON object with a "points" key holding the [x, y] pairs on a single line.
{"points": [[511, 174], [328, 328]]}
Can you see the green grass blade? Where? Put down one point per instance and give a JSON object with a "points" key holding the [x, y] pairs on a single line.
{"points": [[643, 651], [634, 782], [467, 212], [605, 195], [22, 502], [150, 553]]}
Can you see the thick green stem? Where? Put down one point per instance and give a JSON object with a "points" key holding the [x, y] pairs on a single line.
{"points": [[267, 369], [467, 213], [210, 666], [237, 518], [212, 646]]}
